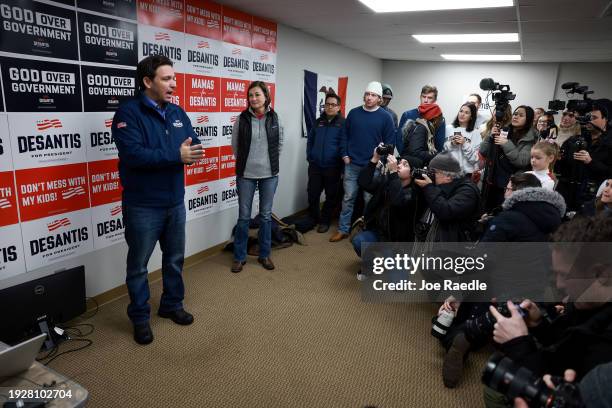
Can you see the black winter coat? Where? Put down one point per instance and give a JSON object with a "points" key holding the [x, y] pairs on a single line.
{"points": [[578, 339], [393, 209], [415, 145], [529, 215], [456, 206]]}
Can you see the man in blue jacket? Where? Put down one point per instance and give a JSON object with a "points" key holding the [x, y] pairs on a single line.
{"points": [[154, 139], [324, 164], [429, 94], [365, 128]]}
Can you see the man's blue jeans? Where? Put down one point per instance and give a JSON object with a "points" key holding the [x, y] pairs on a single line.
{"points": [[351, 188], [364, 237], [351, 174], [144, 226], [246, 192]]}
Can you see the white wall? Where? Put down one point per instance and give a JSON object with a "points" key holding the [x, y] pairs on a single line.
{"points": [[533, 83], [298, 51], [595, 75], [105, 269]]}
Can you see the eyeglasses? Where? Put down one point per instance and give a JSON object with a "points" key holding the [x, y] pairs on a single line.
{"points": [[570, 114], [331, 105]]}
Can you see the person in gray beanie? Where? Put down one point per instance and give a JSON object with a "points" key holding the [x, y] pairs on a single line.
{"points": [[453, 202]]}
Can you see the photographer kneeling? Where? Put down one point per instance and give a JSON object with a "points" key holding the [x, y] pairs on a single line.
{"points": [[581, 337], [395, 203]]}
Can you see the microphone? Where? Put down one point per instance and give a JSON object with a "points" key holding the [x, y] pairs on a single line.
{"points": [[569, 85], [487, 84]]}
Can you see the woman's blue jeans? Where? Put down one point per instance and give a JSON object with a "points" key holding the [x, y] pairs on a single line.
{"points": [[246, 191]]}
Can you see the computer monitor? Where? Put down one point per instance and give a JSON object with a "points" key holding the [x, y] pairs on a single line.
{"points": [[26, 308]]}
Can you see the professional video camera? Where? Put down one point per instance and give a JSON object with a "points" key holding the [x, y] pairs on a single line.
{"points": [[581, 106], [501, 95], [502, 375]]}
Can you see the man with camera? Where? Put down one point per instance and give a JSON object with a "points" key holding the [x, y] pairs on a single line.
{"points": [[452, 201], [567, 127], [395, 203], [581, 336], [365, 128], [586, 164]]}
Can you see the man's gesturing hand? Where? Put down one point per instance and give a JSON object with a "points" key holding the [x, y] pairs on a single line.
{"points": [[191, 153]]}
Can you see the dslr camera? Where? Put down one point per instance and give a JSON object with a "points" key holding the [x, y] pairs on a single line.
{"points": [[418, 173], [385, 149], [501, 95], [505, 377], [480, 328]]}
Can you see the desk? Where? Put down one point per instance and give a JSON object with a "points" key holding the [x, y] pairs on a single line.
{"points": [[41, 374]]}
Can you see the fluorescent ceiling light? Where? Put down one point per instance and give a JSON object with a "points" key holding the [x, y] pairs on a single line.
{"points": [[389, 6], [480, 57], [467, 38]]}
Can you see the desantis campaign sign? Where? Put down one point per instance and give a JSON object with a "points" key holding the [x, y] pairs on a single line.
{"points": [[65, 68]]}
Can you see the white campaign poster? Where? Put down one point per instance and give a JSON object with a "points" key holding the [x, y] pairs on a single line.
{"points": [[11, 246], [47, 139], [236, 61], [226, 123], [263, 66], [156, 40], [203, 56], [228, 193], [201, 199], [207, 127], [108, 226], [56, 238], [98, 136]]}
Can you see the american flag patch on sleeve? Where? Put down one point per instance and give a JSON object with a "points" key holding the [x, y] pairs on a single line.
{"points": [[121, 125]]}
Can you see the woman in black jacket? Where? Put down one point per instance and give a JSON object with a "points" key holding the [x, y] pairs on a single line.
{"points": [[419, 135]]}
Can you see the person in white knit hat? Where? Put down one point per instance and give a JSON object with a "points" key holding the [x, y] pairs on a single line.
{"points": [[365, 127]]}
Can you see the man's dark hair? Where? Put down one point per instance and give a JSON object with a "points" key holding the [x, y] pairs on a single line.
{"points": [[333, 95], [601, 107], [264, 88], [585, 229], [477, 97], [147, 67], [522, 180], [473, 116]]}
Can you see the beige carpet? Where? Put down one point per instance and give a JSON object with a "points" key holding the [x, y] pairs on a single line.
{"points": [[299, 336]]}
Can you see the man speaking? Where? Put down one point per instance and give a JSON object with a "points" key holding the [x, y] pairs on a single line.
{"points": [[154, 139]]}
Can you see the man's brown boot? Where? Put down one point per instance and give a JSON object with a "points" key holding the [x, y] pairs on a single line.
{"points": [[338, 236]]}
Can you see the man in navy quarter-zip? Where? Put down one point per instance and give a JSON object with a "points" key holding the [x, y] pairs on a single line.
{"points": [[324, 163], [154, 139], [365, 127]]}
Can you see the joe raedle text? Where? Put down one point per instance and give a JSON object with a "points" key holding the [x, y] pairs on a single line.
{"points": [[425, 286]]}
